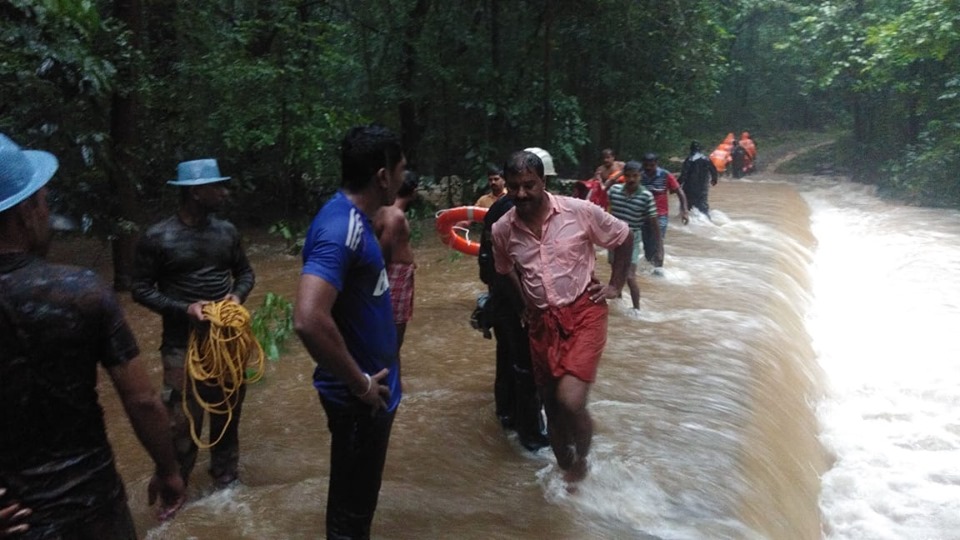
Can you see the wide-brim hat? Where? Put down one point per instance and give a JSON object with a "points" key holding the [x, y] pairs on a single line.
{"points": [[22, 172], [198, 172], [546, 158]]}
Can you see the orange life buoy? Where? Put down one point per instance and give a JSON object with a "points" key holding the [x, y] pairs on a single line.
{"points": [[447, 221]]}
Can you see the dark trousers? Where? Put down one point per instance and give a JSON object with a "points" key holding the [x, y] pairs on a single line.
{"points": [[113, 522], [504, 391], [225, 455], [698, 199], [358, 451], [515, 393]]}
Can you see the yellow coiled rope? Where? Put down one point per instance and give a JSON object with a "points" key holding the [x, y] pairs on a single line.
{"points": [[218, 357]]}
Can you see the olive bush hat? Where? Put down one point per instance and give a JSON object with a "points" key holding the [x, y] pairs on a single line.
{"points": [[546, 158], [22, 172], [198, 172]]}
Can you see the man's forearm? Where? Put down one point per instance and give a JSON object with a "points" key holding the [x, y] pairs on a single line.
{"points": [[621, 262], [147, 414], [151, 424], [243, 281], [326, 346], [147, 294]]}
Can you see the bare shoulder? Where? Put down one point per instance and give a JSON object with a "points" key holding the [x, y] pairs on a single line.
{"points": [[388, 216]]}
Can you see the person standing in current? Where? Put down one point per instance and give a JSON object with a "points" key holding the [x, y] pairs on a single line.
{"points": [[546, 244], [57, 323], [633, 204], [739, 160], [183, 263], [660, 182], [495, 180], [517, 404], [393, 233], [344, 317], [696, 176]]}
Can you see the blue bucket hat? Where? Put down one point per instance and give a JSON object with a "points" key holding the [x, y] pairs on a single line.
{"points": [[198, 172], [22, 172]]}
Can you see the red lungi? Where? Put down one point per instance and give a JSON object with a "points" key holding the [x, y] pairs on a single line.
{"points": [[400, 276], [568, 340]]}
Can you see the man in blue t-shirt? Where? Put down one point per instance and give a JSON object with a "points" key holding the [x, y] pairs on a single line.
{"points": [[345, 320]]}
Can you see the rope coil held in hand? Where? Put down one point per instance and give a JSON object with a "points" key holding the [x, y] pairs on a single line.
{"points": [[217, 356]]}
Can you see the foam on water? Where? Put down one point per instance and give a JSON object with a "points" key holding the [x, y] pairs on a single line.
{"points": [[884, 323]]}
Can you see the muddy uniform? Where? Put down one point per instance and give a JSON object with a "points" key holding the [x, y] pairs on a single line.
{"points": [[696, 175], [175, 266], [515, 393], [56, 324]]}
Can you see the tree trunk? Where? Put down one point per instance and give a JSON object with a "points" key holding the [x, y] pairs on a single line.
{"points": [[123, 136], [411, 125], [499, 122], [547, 108]]}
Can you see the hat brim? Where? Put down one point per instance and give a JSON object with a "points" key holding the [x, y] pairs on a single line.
{"points": [[198, 181], [44, 166]]}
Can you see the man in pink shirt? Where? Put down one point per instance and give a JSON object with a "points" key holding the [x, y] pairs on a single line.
{"points": [[546, 244]]}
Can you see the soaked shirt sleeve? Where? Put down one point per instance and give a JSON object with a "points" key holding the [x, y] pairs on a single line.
{"points": [[326, 250], [120, 344], [243, 276], [147, 266]]}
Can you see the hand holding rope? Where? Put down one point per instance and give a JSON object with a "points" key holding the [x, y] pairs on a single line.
{"points": [[218, 356]]}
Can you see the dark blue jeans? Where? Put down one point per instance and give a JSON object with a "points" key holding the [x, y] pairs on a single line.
{"points": [[358, 451]]}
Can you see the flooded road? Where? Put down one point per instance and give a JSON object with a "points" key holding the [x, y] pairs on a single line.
{"points": [[708, 406]]}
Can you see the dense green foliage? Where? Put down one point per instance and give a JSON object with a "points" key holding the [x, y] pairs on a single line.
{"points": [[888, 71], [122, 90]]}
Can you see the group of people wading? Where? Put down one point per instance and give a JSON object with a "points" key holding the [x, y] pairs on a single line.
{"points": [[58, 478], [546, 308]]}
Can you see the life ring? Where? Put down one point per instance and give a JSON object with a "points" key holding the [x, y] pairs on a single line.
{"points": [[447, 226]]}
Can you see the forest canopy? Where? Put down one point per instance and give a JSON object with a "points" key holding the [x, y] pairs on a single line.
{"points": [[122, 90]]}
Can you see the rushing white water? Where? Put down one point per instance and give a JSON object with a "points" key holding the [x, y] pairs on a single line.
{"points": [[885, 323]]}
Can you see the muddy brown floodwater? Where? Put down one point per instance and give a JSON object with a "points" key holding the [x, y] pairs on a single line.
{"points": [[702, 405]]}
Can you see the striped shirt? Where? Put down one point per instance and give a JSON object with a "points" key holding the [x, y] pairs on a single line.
{"points": [[634, 208]]}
